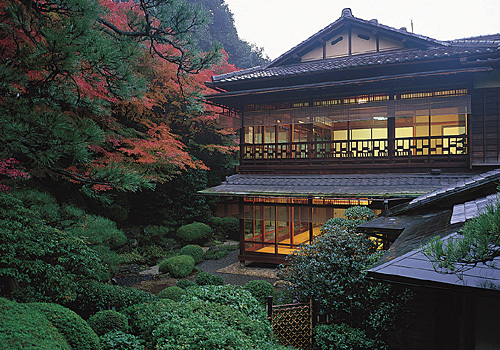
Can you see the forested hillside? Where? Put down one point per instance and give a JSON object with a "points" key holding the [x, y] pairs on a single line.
{"points": [[222, 30]]}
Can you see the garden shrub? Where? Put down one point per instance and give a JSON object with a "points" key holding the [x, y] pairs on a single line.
{"points": [[194, 250], [178, 266], [157, 235], [75, 330], [194, 232], [95, 296], [260, 290], [233, 296], [218, 251], [118, 340], [206, 278], [26, 328], [184, 283], [99, 231], [107, 321], [173, 293], [45, 262], [226, 227], [342, 337], [144, 318], [152, 253], [359, 212]]}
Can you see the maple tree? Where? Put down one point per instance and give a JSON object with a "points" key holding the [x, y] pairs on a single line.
{"points": [[72, 70]]}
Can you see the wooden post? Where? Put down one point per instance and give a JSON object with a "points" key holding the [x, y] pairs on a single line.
{"points": [[269, 306]]}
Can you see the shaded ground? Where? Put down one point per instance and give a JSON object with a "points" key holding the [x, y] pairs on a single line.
{"points": [[228, 267]]}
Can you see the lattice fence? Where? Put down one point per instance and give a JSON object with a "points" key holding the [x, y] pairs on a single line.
{"points": [[292, 324]]}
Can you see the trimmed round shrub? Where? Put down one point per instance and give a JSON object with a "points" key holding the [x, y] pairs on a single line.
{"points": [[26, 328], [75, 330], [118, 340], [359, 212], [184, 283], [95, 296], [178, 266], [206, 278], [194, 250], [342, 336], [173, 293], [195, 232], [260, 290], [108, 320], [226, 227]]}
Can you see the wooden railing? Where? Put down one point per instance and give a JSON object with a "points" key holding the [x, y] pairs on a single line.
{"points": [[339, 151]]}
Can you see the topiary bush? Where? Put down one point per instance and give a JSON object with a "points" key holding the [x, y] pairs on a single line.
{"points": [[226, 227], [118, 340], [219, 251], [194, 250], [260, 290], [107, 321], [206, 278], [26, 328], [75, 330], [185, 283], [178, 266], [95, 296], [359, 212], [173, 293], [342, 337], [195, 232], [233, 296]]}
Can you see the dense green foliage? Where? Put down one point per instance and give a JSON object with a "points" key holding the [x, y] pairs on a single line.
{"points": [[194, 232], [184, 283], [106, 321], [206, 278], [225, 228], [119, 340], [45, 262], [95, 296], [478, 242], [174, 293], [200, 324], [194, 250], [260, 290], [341, 337], [332, 271], [75, 330], [178, 266], [219, 251], [25, 328]]}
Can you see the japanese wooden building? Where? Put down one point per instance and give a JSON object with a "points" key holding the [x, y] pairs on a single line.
{"points": [[359, 113]]}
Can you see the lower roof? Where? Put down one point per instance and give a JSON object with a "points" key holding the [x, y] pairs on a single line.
{"points": [[334, 185]]}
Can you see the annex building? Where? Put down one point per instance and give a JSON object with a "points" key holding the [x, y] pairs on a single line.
{"points": [[358, 114]]}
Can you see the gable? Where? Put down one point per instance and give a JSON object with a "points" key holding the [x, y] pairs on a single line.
{"points": [[351, 42], [351, 36]]}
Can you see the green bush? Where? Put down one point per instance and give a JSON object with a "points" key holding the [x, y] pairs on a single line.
{"points": [[218, 251], [232, 296], [118, 340], [342, 337], [44, 261], [95, 296], [178, 266], [184, 283], [25, 328], [152, 253], [194, 250], [173, 293], [206, 278], [195, 232], [157, 235], [228, 228], [107, 321], [260, 290], [99, 231], [359, 213], [75, 330], [144, 318]]}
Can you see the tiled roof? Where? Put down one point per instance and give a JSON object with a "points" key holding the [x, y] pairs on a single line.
{"points": [[460, 187], [349, 185], [465, 211], [415, 267], [370, 59]]}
